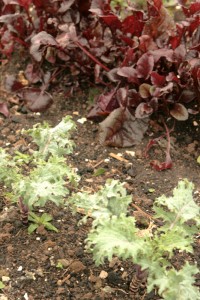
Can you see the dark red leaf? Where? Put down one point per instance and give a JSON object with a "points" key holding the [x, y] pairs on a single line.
{"points": [[193, 9], [154, 7], [133, 24], [172, 77], [4, 109], [112, 21], [157, 79], [36, 99], [122, 129], [106, 103], [145, 66]]}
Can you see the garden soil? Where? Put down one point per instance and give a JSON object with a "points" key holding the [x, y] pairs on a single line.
{"points": [[55, 266]]}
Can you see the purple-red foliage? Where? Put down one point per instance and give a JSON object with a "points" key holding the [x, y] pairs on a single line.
{"points": [[149, 63]]}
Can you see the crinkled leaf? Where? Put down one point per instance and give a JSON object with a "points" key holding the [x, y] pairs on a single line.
{"points": [[122, 129], [36, 99], [55, 141], [182, 202], [114, 236], [179, 112], [177, 284], [174, 239], [110, 200]]}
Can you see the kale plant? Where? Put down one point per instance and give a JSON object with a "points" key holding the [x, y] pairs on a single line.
{"points": [[114, 233], [44, 175]]}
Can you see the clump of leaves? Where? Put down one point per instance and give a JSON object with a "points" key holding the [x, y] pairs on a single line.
{"points": [[157, 73], [43, 176], [115, 233]]}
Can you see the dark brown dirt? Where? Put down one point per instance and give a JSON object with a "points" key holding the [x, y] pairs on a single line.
{"points": [[30, 262]]}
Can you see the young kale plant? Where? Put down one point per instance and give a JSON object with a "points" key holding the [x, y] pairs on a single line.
{"points": [[115, 233], [42, 176]]}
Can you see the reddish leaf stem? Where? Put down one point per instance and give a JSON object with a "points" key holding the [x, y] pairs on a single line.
{"points": [[91, 56]]}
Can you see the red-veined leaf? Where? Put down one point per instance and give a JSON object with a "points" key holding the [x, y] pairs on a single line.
{"points": [[145, 66], [122, 129]]}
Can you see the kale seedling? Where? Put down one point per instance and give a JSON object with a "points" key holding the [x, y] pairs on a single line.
{"points": [[115, 233], [38, 221], [43, 176]]}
